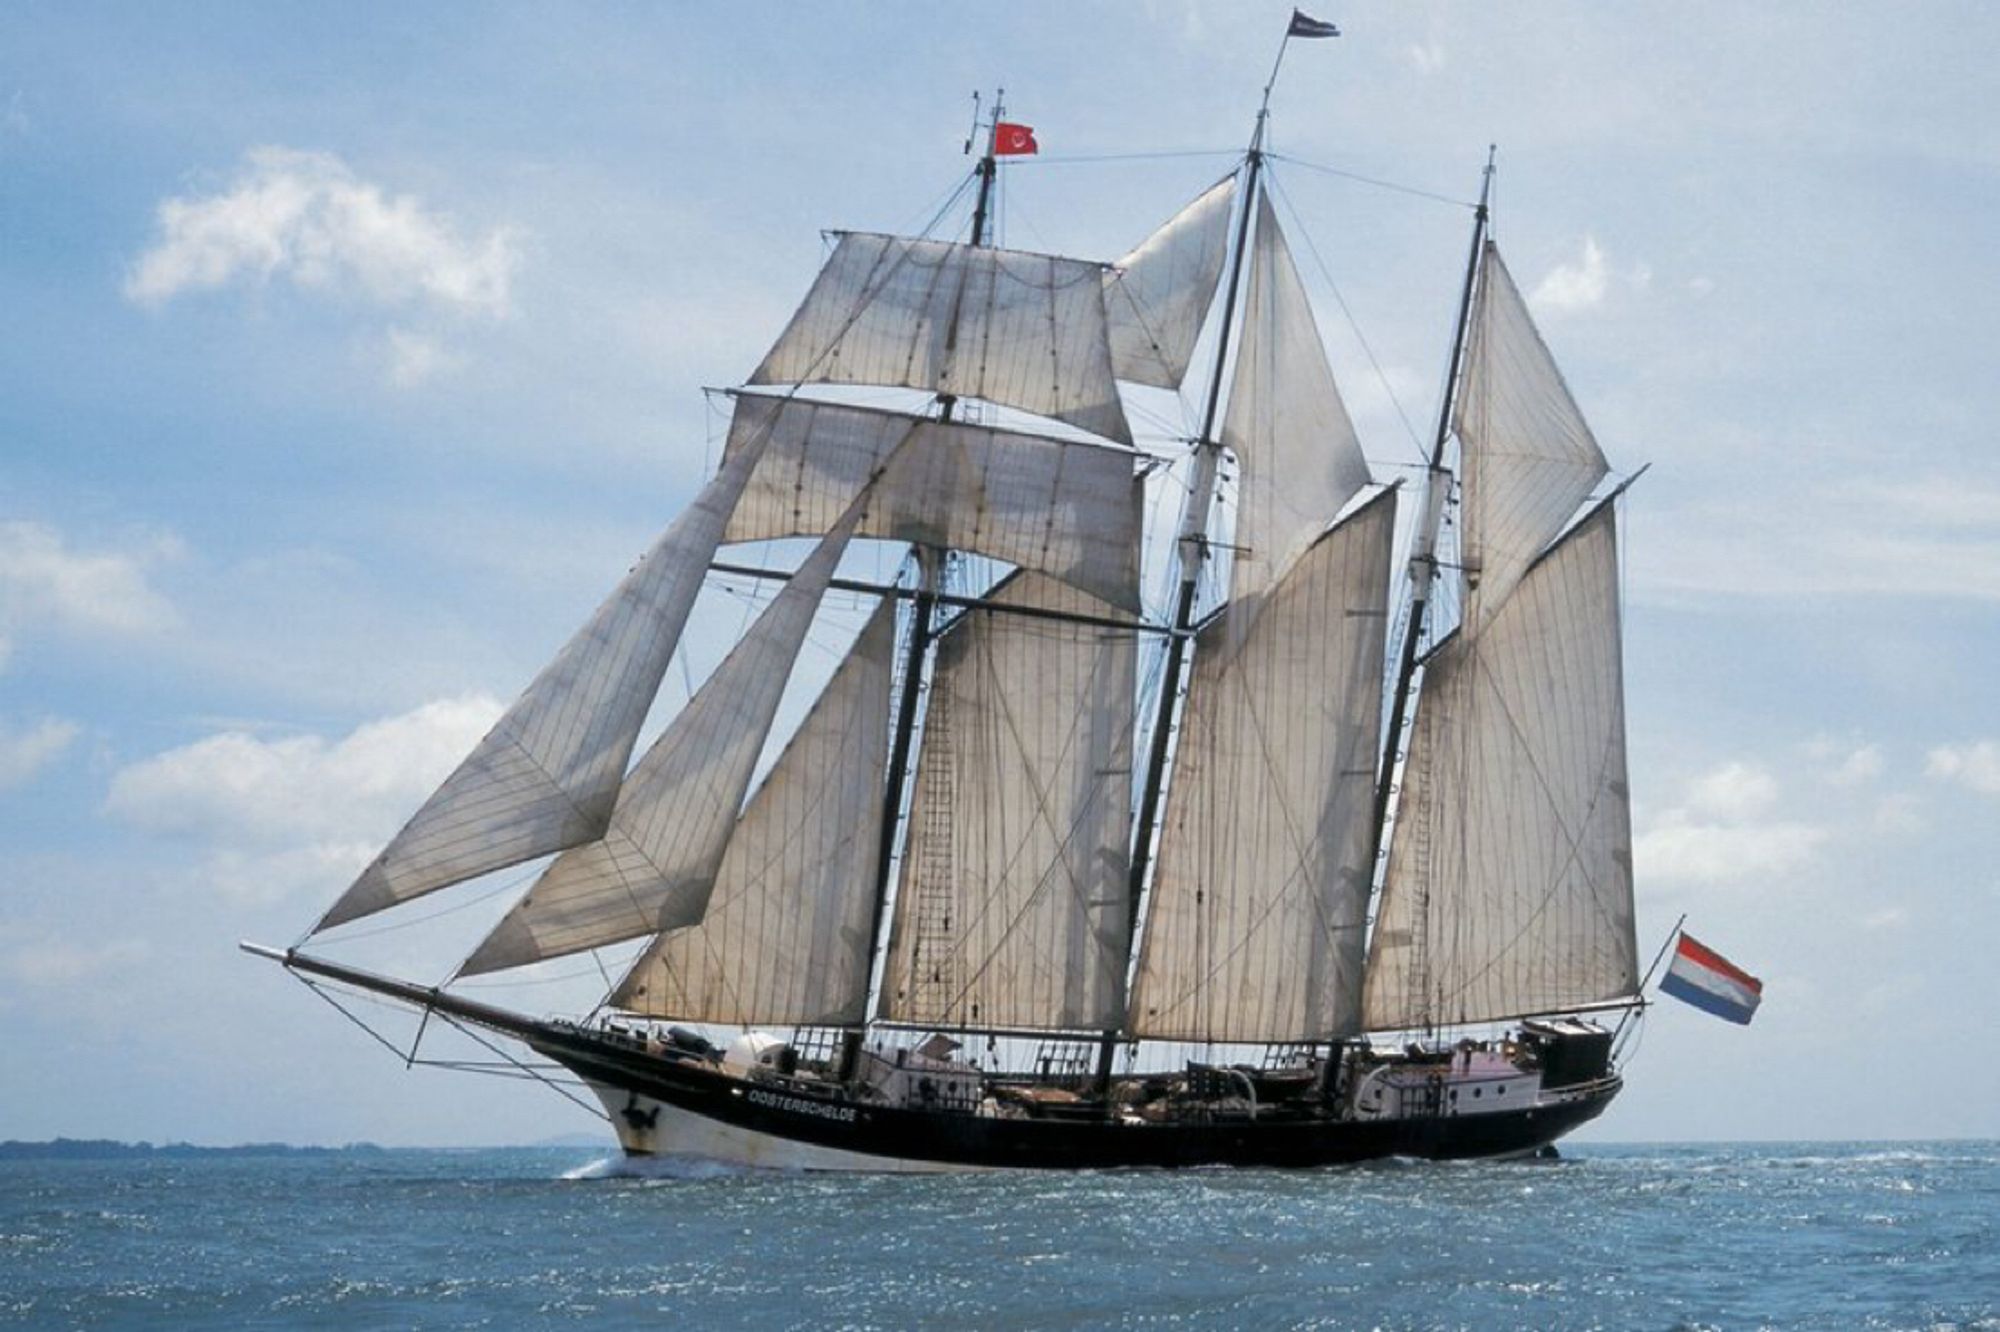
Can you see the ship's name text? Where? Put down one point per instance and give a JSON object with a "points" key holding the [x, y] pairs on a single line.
{"points": [[799, 1105]]}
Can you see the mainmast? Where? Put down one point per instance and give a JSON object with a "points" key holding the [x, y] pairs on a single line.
{"points": [[1423, 552], [1193, 549]]}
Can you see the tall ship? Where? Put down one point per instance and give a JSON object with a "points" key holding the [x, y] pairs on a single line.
{"points": [[1323, 855]]}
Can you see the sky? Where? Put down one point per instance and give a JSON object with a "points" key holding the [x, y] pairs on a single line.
{"points": [[351, 354]]}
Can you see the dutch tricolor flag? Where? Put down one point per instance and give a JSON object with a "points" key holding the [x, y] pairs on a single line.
{"points": [[1710, 982]]}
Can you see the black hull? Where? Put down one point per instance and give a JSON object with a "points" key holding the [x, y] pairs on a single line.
{"points": [[914, 1138], [824, 1128]]}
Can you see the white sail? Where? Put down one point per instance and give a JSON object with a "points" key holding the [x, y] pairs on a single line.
{"points": [[546, 776], [1068, 509], [1013, 908], [1259, 899], [656, 863], [1529, 457], [1509, 886], [1026, 330], [786, 937], [1157, 295], [1299, 459]]}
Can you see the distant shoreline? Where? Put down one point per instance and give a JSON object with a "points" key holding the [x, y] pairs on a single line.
{"points": [[108, 1149]]}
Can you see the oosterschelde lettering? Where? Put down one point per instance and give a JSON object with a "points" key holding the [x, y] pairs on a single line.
{"points": [[799, 1105]]}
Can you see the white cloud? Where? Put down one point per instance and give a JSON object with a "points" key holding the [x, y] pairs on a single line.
{"points": [[24, 753], [415, 358], [306, 218], [1577, 286], [1923, 538], [1734, 791], [1975, 766], [301, 811], [1678, 849], [1853, 767], [48, 962], [41, 578], [1427, 57], [1722, 832]]}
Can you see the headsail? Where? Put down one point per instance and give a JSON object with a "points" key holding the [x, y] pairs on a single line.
{"points": [[1068, 509], [547, 774], [1156, 295], [1025, 330], [1013, 908], [785, 939], [1260, 898], [1509, 885], [1299, 459], [656, 864], [1529, 457]]}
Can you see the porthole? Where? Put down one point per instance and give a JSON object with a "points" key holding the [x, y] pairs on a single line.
{"points": [[1476, 1091]]}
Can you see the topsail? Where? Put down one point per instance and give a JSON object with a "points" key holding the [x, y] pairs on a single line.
{"points": [[1023, 330]]}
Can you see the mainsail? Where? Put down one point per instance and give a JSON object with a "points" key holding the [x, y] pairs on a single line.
{"points": [[1156, 295], [1509, 885], [1260, 898], [1068, 509], [1013, 908], [547, 774], [1024, 330], [656, 864], [785, 940]]}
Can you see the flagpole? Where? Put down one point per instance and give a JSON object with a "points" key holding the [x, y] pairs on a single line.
{"points": [[1647, 979]]}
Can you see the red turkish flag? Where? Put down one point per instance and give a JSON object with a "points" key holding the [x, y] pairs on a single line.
{"points": [[1010, 140]]}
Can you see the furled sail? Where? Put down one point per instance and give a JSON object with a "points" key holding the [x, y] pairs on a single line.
{"points": [[1157, 295], [1260, 897], [1068, 509], [1013, 907], [786, 937], [1025, 330], [1299, 459], [1509, 885], [656, 863], [547, 774], [1529, 457]]}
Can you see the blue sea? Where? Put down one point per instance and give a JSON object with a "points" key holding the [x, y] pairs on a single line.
{"points": [[1761, 1236]]}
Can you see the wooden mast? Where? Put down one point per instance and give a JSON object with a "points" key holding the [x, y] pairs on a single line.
{"points": [[1423, 552], [923, 609]]}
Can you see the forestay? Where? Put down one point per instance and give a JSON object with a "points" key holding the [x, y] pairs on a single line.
{"points": [[786, 937], [546, 776], [1509, 885], [1068, 509], [1529, 457], [1297, 454], [1157, 295], [656, 864], [1026, 330], [1260, 896], [1013, 907]]}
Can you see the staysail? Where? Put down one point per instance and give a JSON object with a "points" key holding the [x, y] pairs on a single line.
{"points": [[1025, 330], [1013, 907], [1297, 452], [785, 940], [547, 774], [1156, 295], [1529, 457], [1509, 884], [1259, 902], [1068, 509], [656, 863]]}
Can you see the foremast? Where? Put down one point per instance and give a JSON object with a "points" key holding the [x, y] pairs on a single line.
{"points": [[930, 573]]}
